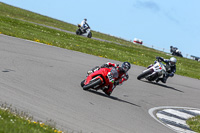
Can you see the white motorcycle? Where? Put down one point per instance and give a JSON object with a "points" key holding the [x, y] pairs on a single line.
{"points": [[87, 32], [153, 72]]}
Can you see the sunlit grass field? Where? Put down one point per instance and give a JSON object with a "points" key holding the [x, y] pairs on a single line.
{"points": [[14, 12]]}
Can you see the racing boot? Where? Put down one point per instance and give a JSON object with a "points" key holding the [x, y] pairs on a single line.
{"points": [[164, 79], [157, 80], [109, 90]]}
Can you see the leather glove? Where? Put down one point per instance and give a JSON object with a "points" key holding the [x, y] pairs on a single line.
{"points": [[116, 83], [159, 58]]}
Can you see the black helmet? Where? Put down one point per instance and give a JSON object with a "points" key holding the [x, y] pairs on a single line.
{"points": [[85, 19], [126, 66]]}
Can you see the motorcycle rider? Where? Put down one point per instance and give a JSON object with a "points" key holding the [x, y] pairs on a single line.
{"points": [[84, 25], [170, 68], [119, 75], [173, 49]]}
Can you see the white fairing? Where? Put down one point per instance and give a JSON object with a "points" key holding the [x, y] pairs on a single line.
{"points": [[87, 32], [158, 67]]}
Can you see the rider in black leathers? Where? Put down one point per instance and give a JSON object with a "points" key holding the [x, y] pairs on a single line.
{"points": [[170, 68]]}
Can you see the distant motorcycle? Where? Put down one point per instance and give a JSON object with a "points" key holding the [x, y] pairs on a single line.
{"points": [[175, 51], [81, 31], [153, 72], [99, 79]]}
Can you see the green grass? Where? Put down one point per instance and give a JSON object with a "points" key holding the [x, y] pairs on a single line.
{"points": [[14, 12], [13, 121], [194, 123]]}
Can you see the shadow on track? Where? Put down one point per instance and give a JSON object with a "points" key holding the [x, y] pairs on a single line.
{"points": [[162, 85], [112, 97]]}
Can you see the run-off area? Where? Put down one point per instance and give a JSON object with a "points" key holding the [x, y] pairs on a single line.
{"points": [[174, 117]]}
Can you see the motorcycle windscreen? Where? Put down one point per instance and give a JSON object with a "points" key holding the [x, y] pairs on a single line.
{"points": [[114, 72]]}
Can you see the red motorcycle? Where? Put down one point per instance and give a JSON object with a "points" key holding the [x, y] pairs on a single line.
{"points": [[100, 78]]}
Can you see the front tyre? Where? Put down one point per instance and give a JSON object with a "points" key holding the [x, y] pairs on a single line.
{"points": [[144, 74], [82, 83], [92, 84], [89, 35]]}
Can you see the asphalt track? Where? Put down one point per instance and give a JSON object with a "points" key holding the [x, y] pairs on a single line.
{"points": [[44, 81]]}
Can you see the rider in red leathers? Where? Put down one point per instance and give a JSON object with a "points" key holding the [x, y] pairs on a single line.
{"points": [[119, 75]]}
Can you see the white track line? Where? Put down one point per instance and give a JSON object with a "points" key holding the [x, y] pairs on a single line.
{"points": [[178, 121], [180, 129], [178, 113], [195, 111]]}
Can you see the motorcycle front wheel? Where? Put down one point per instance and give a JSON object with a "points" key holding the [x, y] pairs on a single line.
{"points": [[144, 74], [92, 84], [89, 35], [82, 83]]}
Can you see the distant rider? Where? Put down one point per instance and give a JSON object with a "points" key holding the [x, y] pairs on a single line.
{"points": [[84, 25], [170, 68], [119, 75], [173, 49]]}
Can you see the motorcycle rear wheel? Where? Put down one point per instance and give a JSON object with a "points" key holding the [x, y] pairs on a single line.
{"points": [[92, 84], [78, 32]]}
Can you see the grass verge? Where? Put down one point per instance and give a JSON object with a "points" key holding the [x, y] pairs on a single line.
{"points": [[14, 12], [13, 121], [194, 123]]}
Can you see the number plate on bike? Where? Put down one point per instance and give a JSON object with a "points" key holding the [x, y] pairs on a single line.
{"points": [[110, 77]]}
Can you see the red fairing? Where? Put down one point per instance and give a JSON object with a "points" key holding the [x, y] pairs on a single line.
{"points": [[110, 76], [102, 74], [111, 64]]}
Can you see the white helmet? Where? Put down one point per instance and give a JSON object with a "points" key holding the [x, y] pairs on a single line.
{"points": [[172, 61]]}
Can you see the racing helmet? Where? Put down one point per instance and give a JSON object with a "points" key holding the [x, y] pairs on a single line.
{"points": [[85, 19], [172, 61], [126, 66]]}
